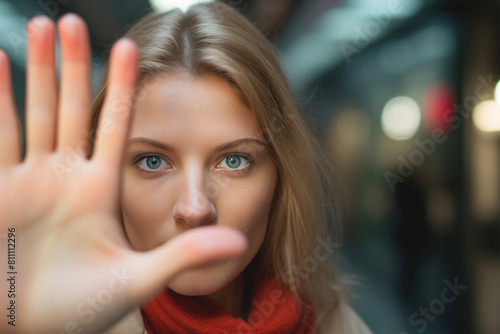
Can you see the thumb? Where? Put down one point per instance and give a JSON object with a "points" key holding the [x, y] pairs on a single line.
{"points": [[190, 249]]}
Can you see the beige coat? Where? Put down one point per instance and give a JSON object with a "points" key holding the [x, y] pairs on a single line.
{"points": [[343, 321]]}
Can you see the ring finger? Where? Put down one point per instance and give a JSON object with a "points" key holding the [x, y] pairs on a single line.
{"points": [[41, 100]]}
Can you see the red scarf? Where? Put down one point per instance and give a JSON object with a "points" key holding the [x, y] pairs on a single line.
{"points": [[273, 310]]}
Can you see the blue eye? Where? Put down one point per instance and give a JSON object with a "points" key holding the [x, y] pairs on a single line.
{"points": [[151, 163], [235, 161]]}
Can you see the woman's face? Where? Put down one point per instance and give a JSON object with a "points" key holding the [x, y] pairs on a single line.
{"points": [[195, 156]]}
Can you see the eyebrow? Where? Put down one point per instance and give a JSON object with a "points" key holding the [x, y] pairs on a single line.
{"points": [[221, 147]]}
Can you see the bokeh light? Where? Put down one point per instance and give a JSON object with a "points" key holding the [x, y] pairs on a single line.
{"points": [[486, 116], [437, 107], [401, 118], [165, 5], [497, 93]]}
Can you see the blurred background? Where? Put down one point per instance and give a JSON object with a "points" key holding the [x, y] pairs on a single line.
{"points": [[406, 94]]}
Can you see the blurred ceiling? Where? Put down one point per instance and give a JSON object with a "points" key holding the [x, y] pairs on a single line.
{"points": [[326, 33], [305, 27], [313, 36]]}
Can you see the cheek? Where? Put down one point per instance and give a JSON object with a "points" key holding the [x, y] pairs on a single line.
{"points": [[247, 209], [145, 208]]}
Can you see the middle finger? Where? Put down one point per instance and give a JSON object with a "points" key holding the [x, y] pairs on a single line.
{"points": [[75, 96]]}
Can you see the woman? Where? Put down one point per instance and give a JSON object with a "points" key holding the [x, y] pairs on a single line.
{"points": [[216, 140]]}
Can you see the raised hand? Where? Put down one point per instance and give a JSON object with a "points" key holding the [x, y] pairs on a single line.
{"points": [[72, 266]]}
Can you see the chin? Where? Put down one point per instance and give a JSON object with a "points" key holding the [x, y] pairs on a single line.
{"points": [[205, 280]]}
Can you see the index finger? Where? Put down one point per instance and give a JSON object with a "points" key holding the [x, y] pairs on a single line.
{"points": [[114, 122]]}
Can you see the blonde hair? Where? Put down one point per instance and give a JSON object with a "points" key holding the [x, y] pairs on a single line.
{"points": [[214, 38]]}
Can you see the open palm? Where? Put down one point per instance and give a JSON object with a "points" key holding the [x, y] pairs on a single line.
{"points": [[73, 267]]}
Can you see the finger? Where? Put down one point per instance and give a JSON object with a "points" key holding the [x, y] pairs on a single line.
{"points": [[115, 118], [41, 86], [10, 137], [75, 94], [190, 249]]}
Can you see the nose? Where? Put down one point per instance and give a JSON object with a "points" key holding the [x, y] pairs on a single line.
{"points": [[193, 208]]}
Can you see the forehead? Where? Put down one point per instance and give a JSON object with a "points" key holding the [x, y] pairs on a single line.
{"points": [[178, 103]]}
